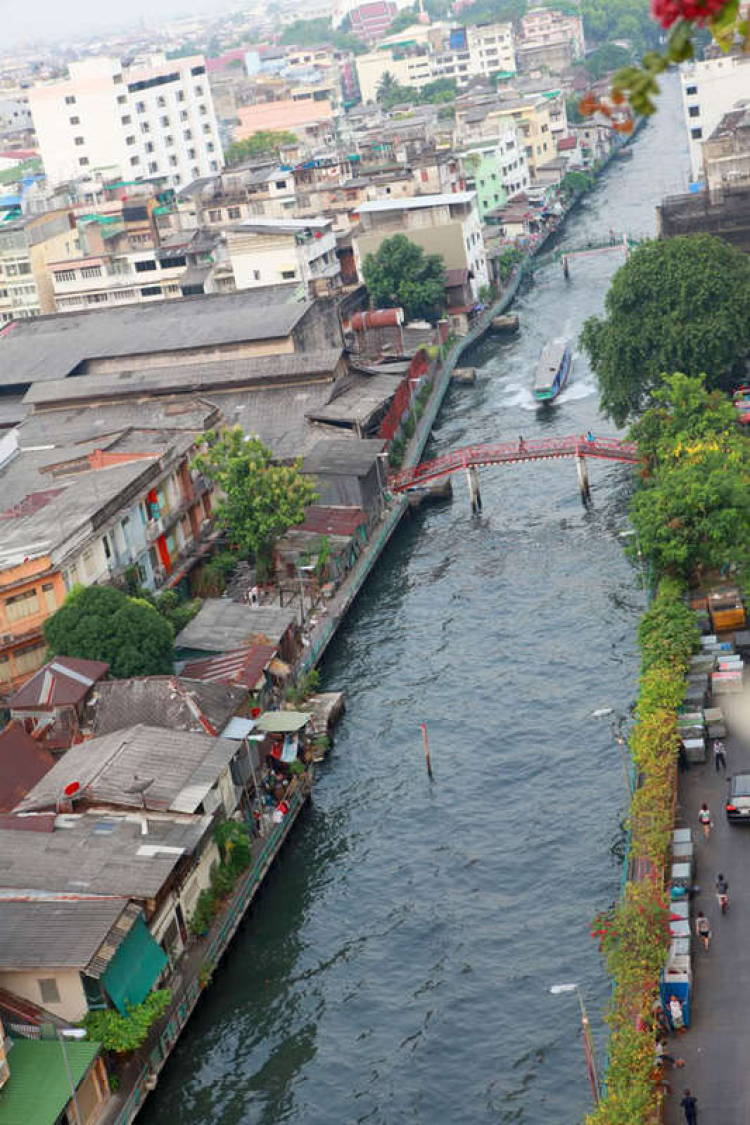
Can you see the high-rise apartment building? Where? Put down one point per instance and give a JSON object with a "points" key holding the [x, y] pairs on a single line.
{"points": [[148, 120], [710, 89]]}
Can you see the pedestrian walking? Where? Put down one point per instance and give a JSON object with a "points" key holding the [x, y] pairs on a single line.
{"points": [[703, 929], [521, 445], [720, 757], [704, 816], [690, 1108], [722, 892]]}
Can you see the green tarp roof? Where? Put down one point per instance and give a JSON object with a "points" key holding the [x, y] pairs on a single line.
{"points": [[134, 968], [38, 1090], [282, 722]]}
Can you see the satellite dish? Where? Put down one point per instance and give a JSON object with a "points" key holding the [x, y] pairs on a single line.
{"points": [[140, 786], [71, 788]]}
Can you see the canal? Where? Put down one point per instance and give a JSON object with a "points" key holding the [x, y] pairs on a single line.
{"points": [[397, 967]]}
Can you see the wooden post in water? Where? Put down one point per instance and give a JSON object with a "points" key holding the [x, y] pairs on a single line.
{"points": [[583, 480], [426, 751]]}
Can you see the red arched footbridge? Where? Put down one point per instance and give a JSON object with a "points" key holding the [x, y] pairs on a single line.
{"points": [[512, 453]]}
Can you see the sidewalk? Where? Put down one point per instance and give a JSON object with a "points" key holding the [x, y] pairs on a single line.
{"points": [[716, 1048]]}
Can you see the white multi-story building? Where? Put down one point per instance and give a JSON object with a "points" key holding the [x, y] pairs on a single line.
{"points": [[138, 122], [267, 252], [459, 53], [710, 89]]}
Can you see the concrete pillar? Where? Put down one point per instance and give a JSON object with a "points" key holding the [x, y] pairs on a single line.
{"points": [[583, 479], [475, 495]]}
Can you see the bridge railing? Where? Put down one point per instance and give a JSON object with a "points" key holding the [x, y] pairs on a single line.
{"points": [[535, 449]]}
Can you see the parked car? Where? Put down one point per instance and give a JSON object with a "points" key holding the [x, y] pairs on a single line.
{"points": [[738, 798]]}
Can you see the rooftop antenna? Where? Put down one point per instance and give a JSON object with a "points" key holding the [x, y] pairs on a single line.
{"points": [[140, 785]]}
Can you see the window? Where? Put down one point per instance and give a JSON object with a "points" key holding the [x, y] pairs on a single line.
{"points": [[173, 263], [199, 91], [161, 101], [233, 212], [206, 127], [187, 134], [149, 146], [30, 658], [65, 275], [91, 271], [22, 605], [78, 141], [202, 109], [140, 107], [145, 127], [50, 599], [83, 161], [694, 111], [256, 275], [690, 90], [96, 299], [117, 79], [153, 167], [151, 291], [288, 275], [173, 161], [121, 99], [696, 134], [214, 216], [145, 266], [130, 140], [5, 673], [70, 99], [168, 140], [183, 115], [75, 121], [135, 160], [126, 119], [164, 122], [196, 70], [48, 990], [180, 96], [191, 154]]}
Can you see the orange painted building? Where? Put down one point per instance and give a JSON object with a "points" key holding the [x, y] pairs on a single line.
{"points": [[29, 593]]}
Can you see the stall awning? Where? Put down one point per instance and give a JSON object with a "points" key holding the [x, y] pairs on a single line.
{"points": [[134, 969], [283, 722]]}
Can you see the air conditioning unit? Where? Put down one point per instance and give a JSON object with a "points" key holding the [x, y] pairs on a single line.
{"points": [[6, 638]]}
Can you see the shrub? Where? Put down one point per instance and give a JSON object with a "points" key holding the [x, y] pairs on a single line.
{"points": [[121, 1033]]}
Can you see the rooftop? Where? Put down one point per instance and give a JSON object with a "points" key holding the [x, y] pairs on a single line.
{"points": [[23, 762], [343, 457], [364, 399], [222, 625], [186, 378], [51, 347], [64, 681], [180, 766], [415, 202], [177, 703], [54, 931], [242, 666], [96, 853], [38, 1089]]}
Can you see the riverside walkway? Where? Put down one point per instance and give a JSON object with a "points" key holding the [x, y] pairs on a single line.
{"points": [[716, 1047]]}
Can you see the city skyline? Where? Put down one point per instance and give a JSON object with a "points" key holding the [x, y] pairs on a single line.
{"points": [[47, 21]]}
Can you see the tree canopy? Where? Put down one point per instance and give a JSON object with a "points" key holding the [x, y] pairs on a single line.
{"points": [[263, 143], [401, 275], [102, 623], [677, 304], [261, 500], [390, 92], [693, 509], [605, 59], [319, 32]]}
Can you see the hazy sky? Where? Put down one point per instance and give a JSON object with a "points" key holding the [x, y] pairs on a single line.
{"points": [[51, 19]]}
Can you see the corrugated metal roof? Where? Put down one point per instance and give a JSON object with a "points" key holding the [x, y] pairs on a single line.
{"points": [[38, 1089], [23, 762], [63, 682], [222, 625], [332, 521], [174, 702], [280, 722], [55, 932], [243, 666], [181, 766]]}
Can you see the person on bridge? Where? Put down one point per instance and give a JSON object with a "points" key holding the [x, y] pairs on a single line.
{"points": [[590, 438], [521, 445]]}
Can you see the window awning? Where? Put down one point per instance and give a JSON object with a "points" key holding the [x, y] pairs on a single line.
{"points": [[283, 722], [135, 967]]}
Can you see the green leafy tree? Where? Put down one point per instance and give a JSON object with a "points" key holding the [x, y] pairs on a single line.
{"points": [[605, 59], [693, 510], [261, 500], [319, 32], [264, 143], [401, 275], [121, 1033], [405, 18], [677, 304], [102, 623]]}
